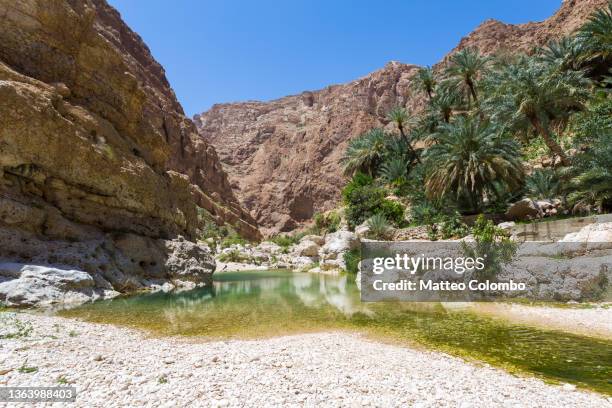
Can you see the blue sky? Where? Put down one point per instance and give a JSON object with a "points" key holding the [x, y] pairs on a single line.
{"points": [[229, 50]]}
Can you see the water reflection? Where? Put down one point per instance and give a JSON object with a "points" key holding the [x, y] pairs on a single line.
{"points": [[269, 303]]}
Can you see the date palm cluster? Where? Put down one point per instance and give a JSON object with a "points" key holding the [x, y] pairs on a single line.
{"points": [[484, 114]]}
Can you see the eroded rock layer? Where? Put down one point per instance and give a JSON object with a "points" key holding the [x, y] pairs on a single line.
{"points": [[98, 163], [283, 156]]}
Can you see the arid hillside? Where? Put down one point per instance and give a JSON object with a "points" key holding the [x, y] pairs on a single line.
{"points": [[99, 167], [282, 157]]}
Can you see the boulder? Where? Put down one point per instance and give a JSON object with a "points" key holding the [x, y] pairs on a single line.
{"points": [[507, 226], [523, 210], [23, 285], [306, 248], [594, 236], [362, 230], [331, 255], [189, 262], [319, 240], [302, 263], [544, 205], [269, 247]]}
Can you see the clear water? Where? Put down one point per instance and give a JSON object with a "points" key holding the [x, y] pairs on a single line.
{"points": [[270, 303]]}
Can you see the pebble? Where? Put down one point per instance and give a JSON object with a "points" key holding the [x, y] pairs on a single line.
{"points": [[318, 369]]}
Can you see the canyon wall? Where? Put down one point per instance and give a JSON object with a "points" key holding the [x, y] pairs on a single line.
{"points": [[283, 156], [99, 167]]}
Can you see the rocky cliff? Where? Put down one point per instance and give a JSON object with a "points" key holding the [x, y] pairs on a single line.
{"points": [[282, 156], [99, 168]]}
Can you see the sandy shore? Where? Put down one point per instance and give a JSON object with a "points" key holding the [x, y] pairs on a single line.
{"points": [[595, 321], [113, 366]]}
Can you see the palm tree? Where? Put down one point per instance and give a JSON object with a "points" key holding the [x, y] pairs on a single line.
{"points": [[543, 183], [590, 186], [564, 53], [445, 102], [469, 158], [596, 35], [365, 152], [400, 117], [394, 171], [466, 67], [379, 227], [425, 81], [533, 95]]}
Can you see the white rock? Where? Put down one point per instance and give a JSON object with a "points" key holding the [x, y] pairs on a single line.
{"points": [[28, 285], [595, 236], [362, 230], [314, 238], [306, 248]]}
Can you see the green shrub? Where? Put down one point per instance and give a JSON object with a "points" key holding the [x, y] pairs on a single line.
{"points": [[351, 259], [327, 223], [393, 212], [543, 183], [286, 240], [363, 202], [379, 227], [452, 226], [358, 181], [235, 256], [365, 199], [491, 243], [424, 213], [233, 240]]}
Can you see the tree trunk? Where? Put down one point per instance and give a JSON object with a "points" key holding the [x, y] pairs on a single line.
{"points": [[414, 154], [552, 145], [470, 85]]}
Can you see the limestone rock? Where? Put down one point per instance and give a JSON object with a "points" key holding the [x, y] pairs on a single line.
{"points": [[188, 261], [29, 285], [319, 240], [525, 209], [99, 167], [594, 236], [269, 247], [362, 230], [306, 248], [331, 255]]}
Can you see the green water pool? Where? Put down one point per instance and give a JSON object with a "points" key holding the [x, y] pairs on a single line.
{"points": [[269, 303]]}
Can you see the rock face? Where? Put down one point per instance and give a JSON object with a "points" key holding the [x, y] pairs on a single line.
{"points": [[283, 156], [99, 167], [494, 36]]}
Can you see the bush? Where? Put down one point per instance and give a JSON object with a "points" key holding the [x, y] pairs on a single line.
{"points": [[358, 181], [393, 212], [232, 240], [424, 213], [452, 226], [363, 202], [236, 256], [286, 240], [351, 259], [543, 183], [379, 227], [365, 199], [491, 243], [327, 223]]}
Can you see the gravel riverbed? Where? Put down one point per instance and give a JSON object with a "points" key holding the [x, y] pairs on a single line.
{"points": [[114, 366]]}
